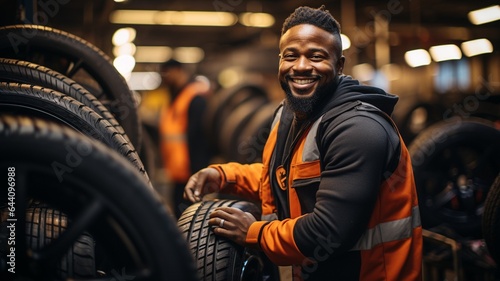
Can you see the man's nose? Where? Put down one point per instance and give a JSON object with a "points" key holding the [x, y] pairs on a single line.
{"points": [[302, 64]]}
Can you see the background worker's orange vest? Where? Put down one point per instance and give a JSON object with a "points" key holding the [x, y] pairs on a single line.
{"points": [[173, 133]]}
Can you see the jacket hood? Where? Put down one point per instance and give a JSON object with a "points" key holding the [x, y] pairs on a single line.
{"points": [[350, 89]]}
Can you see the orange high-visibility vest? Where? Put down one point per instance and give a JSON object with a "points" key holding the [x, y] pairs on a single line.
{"points": [[391, 246], [173, 133]]}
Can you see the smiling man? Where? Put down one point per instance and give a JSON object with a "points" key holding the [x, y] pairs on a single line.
{"points": [[336, 183]]}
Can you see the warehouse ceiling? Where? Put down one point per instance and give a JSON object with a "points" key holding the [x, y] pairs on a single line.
{"points": [[411, 24]]}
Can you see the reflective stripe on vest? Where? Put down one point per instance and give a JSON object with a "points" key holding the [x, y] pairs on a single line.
{"points": [[311, 151], [389, 231], [381, 233]]}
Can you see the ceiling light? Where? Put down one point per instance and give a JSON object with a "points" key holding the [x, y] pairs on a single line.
{"points": [[125, 49], [152, 54], [484, 15], [133, 16], [445, 52], [124, 64], [196, 18], [256, 19], [189, 54], [144, 81], [477, 47], [346, 42], [123, 35], [417, 57], [190, 18]]}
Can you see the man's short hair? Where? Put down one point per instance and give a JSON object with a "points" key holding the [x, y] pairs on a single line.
{"points": [[319, 17], [171, 63]]}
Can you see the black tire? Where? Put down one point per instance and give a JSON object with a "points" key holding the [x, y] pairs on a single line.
{"points": [[48, 104], [218, 258], [79, 60], [44, 225], [455, 162], [249, 143], [491, 220], [234, 124], [24, 72], [102, 194], [221, 104]]}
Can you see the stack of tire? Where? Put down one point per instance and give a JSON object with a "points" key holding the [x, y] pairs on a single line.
{"points": [[238, 122], [455, 163], [76, 202]]}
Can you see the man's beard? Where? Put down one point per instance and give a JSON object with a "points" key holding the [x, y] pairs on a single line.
{"points": [[307, 106]]}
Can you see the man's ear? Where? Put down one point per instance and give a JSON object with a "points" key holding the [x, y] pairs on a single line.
{"points": [[340, 65]]}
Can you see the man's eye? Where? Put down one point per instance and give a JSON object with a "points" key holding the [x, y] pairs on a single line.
{"points": [[289, 56]]}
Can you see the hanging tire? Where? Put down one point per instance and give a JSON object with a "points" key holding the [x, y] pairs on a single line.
{"points": [[24, 72], [51, 105], [79, 60], [455, 162], [218, 258], [100, 192]]}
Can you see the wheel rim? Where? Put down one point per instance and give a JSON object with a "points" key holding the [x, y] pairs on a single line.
{"points": [[455, 182], [252, 268]]}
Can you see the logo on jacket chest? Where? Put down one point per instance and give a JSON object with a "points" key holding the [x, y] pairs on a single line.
{"points": [[281, 177]]}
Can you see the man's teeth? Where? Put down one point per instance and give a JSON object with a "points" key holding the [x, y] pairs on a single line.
{"points": [[303, 81]]}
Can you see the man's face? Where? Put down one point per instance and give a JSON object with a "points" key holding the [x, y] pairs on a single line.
{"points": [[310, 63], [170, 75]]}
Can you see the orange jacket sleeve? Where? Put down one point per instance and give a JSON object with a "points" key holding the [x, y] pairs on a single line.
{"points": [[276, 240], [240, 179]]}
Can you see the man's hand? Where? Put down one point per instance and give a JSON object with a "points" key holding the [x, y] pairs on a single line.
{"points": [[205, 181], [231, 223]]}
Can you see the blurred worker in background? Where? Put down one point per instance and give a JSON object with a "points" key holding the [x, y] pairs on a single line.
{"points": [[336, 183], [183, 146]]}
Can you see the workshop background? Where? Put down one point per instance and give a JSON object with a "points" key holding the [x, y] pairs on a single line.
{"points": [[440, 57]]}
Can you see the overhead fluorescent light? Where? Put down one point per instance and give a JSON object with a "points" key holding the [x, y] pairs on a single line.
{"points": [[138, 81], [189, 18], [256, 19], [417, 57], [484, 15], [125, 49], [445, 52], [124, 64], [477, 47], [196, 18], [123, 36], [152, 54], [188, 54], [133, 16]]}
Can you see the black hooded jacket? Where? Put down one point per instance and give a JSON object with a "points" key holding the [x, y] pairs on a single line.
{"points": [[358, 145]]}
